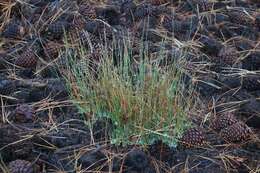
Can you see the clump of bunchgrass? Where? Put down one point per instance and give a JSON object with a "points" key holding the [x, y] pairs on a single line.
{"points": [[144, 100]]}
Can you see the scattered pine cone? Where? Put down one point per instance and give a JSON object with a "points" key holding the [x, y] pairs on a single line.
{"points": [[193, 137], [52, 49], [228, 55], [236, 133], [27, 59], [20, 166], [223, 121], [252, 62], [241, 18], [87, 10], [79, 22], [56, 30], [6, 86], [3, 61], [251, 83], [13, 30]]}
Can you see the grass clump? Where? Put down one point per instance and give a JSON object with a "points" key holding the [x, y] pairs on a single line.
{"points": [[144, 101]]}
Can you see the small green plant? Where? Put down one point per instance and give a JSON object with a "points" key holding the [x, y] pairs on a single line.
{"points": [[144, 101]]}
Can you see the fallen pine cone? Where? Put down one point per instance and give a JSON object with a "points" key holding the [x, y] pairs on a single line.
{"points": [[22, 166], [79, 22], [3, 61], [27, 59], [56, 30], [193, 137], [251, 83], [228, 55], [13, 30], [252, 62], [6, 86], [240, 17], [223, 121], [87, 10], [237, 132], [51, 50]]}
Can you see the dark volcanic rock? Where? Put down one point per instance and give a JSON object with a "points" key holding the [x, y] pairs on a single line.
{"points": [[137, 160], [92, 160]]}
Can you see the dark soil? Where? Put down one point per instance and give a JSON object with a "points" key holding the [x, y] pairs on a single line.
{"points": [[38, 123]]}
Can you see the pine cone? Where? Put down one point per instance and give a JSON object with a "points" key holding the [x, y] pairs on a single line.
{"points": [[252, 62], [20, 166], [6, 86], [223, 121], [56, 30], [13, 30], [236, 132], [51, 50], [228, 55], [79, 22], [24, 113], [87, 10], [3, 61], [241, 18], [251, 83], [27, 59], [193, 137]]}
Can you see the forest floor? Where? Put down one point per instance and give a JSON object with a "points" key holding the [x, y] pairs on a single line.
{"points": [[41, 130]]}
